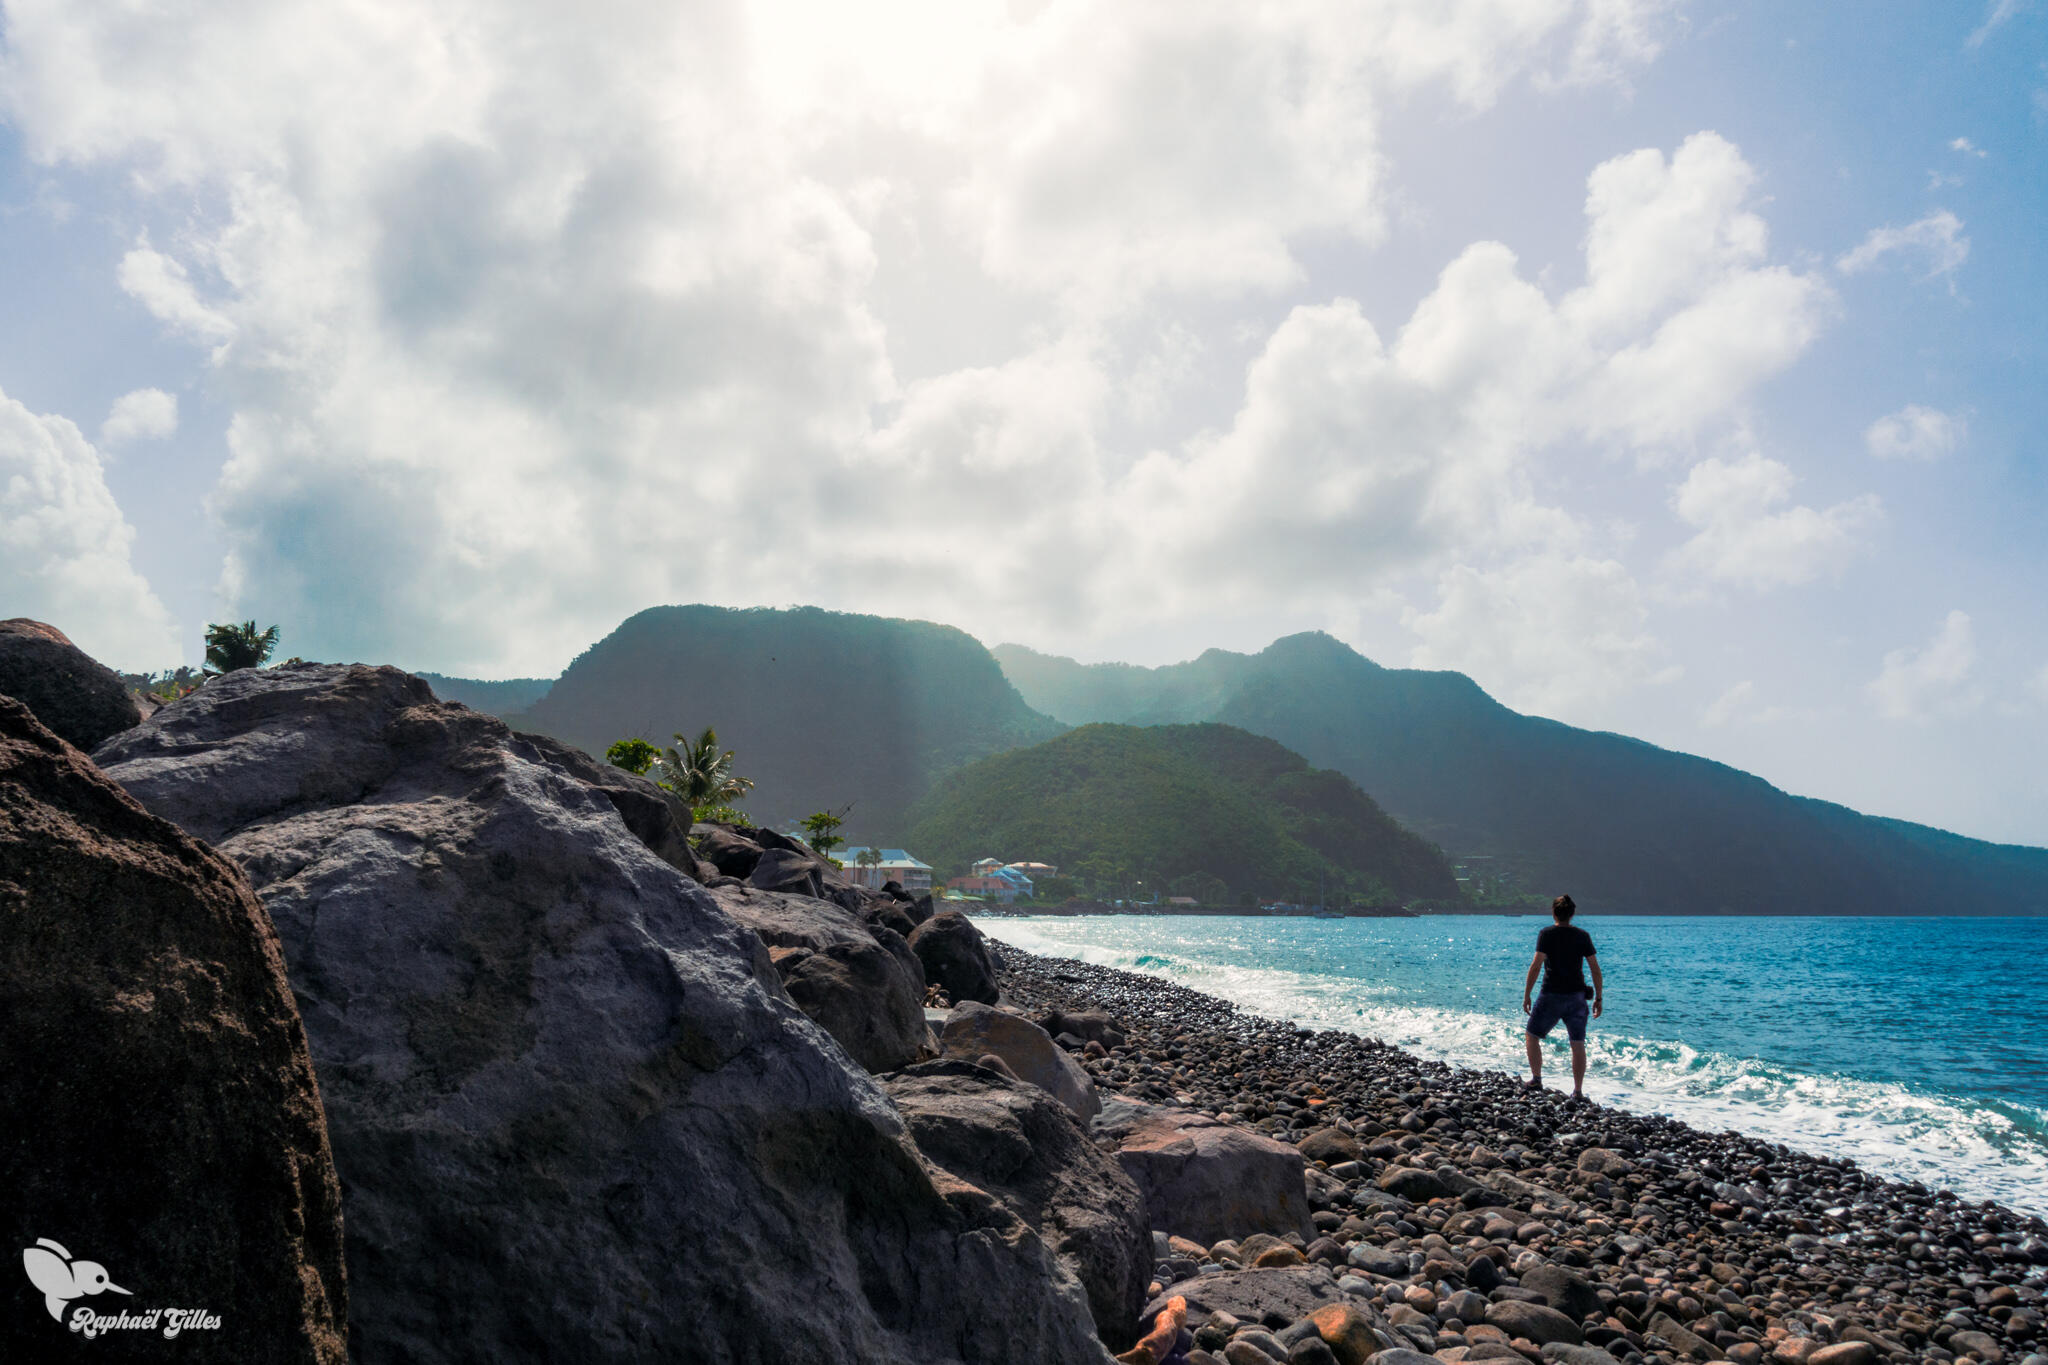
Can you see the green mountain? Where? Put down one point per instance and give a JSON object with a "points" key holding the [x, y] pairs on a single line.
{"points": [[1202, 810], [1545, 807], [497, 697], [821, 708]]}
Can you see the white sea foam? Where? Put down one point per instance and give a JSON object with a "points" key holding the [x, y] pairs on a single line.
{"points": [[1979, 1150]]}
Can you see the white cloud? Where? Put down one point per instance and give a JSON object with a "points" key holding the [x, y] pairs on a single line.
{"points": [[529, 319], [1916, 433], [143, 414], [1555, 634], [1967, 147], [1996, 14], [1749, 538], [64, 546], [164, 287], [1939, 236], [1935, 680]]}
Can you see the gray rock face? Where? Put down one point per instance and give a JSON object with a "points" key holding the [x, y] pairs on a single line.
{"points": [[860, 984], [657, 818], [574, 1112], [974, 1031], [1014, 1141], [1283, 1293], [1204, 1179], [77, 697], [1565, 1290], [956, 958], [158, 1113], [792, 873]]}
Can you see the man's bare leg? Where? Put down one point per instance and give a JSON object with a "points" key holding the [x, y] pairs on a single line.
{"points": [[1535, 1058], [1578, 1069]]}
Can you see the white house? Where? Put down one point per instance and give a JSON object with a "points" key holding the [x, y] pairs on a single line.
{"points": [[896, 866]]}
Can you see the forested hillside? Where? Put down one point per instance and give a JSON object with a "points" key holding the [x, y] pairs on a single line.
{"points": [[823, 708], [1202, 810], [1622, 825]]}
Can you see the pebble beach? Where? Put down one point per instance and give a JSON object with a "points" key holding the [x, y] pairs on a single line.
{"points": [[1476, 1219]]}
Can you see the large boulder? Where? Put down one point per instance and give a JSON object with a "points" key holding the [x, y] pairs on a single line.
{"points": [[1278, 1296], [1020, 1145], [80, 699], [159, 1114], [658, 818], [791, 873], [1569, 1292], [955, 958], [1204, 1179], [860, 984], [974, 1031], [574, 1112]]}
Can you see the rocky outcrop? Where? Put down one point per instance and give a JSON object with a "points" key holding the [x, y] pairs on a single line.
{"points": [[861, 985], [1012, 1140], [576, 1115], [974, 1031], [159, 1114], [1203, 1179], [657, 818], [956, 958], [78, 698]]}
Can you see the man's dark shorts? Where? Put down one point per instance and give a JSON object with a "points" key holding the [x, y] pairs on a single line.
{"points": [[1571, 1008]]}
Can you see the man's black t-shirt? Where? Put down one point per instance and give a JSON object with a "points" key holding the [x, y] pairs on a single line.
{"points": [[1565, 949]]}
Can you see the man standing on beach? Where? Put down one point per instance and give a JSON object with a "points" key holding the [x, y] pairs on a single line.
{"points": [[1562, 953]]}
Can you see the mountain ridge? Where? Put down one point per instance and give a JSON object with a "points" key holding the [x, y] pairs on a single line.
{"points": [[1613, 818]]}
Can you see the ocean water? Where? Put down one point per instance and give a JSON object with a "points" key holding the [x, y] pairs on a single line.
{"points": [[1917, 1047]]}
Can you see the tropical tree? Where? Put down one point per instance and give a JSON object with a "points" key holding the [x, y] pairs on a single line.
{"points": [[701, 773], [869, 857], [231, 647], [636, 756], [818, 832]]}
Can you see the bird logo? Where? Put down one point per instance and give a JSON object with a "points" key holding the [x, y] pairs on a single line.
{"points": [[51, 1269]]}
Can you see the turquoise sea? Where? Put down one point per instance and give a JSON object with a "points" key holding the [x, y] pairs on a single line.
{"points": [[1917, 1047]]}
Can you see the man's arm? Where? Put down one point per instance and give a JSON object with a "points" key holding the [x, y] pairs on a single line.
{"points": [[1599, 987], [1529, 982]]}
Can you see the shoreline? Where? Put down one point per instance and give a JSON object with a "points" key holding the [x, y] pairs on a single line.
{"points": [[1436, 1166]]}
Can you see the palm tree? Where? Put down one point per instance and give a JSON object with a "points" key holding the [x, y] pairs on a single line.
{"points": [[231, 647], [700, 774], [869, 857]]}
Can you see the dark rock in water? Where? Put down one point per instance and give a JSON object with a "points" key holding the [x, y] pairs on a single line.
{"points": [[860, 984], [77, 697], [1203, 1179], [973, 1029], [1286, 1294], [1013, 1140], [158, 1113], [1569, 1292], [956, 957], [790, 873], [575, 1114]]}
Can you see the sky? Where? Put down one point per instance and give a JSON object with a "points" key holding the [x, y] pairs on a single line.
{"points": [[1673, 368]]}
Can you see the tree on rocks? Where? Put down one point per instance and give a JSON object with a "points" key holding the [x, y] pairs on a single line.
{"points": [[820, 831], [701, 773], [636, 756], [232, 647]]}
